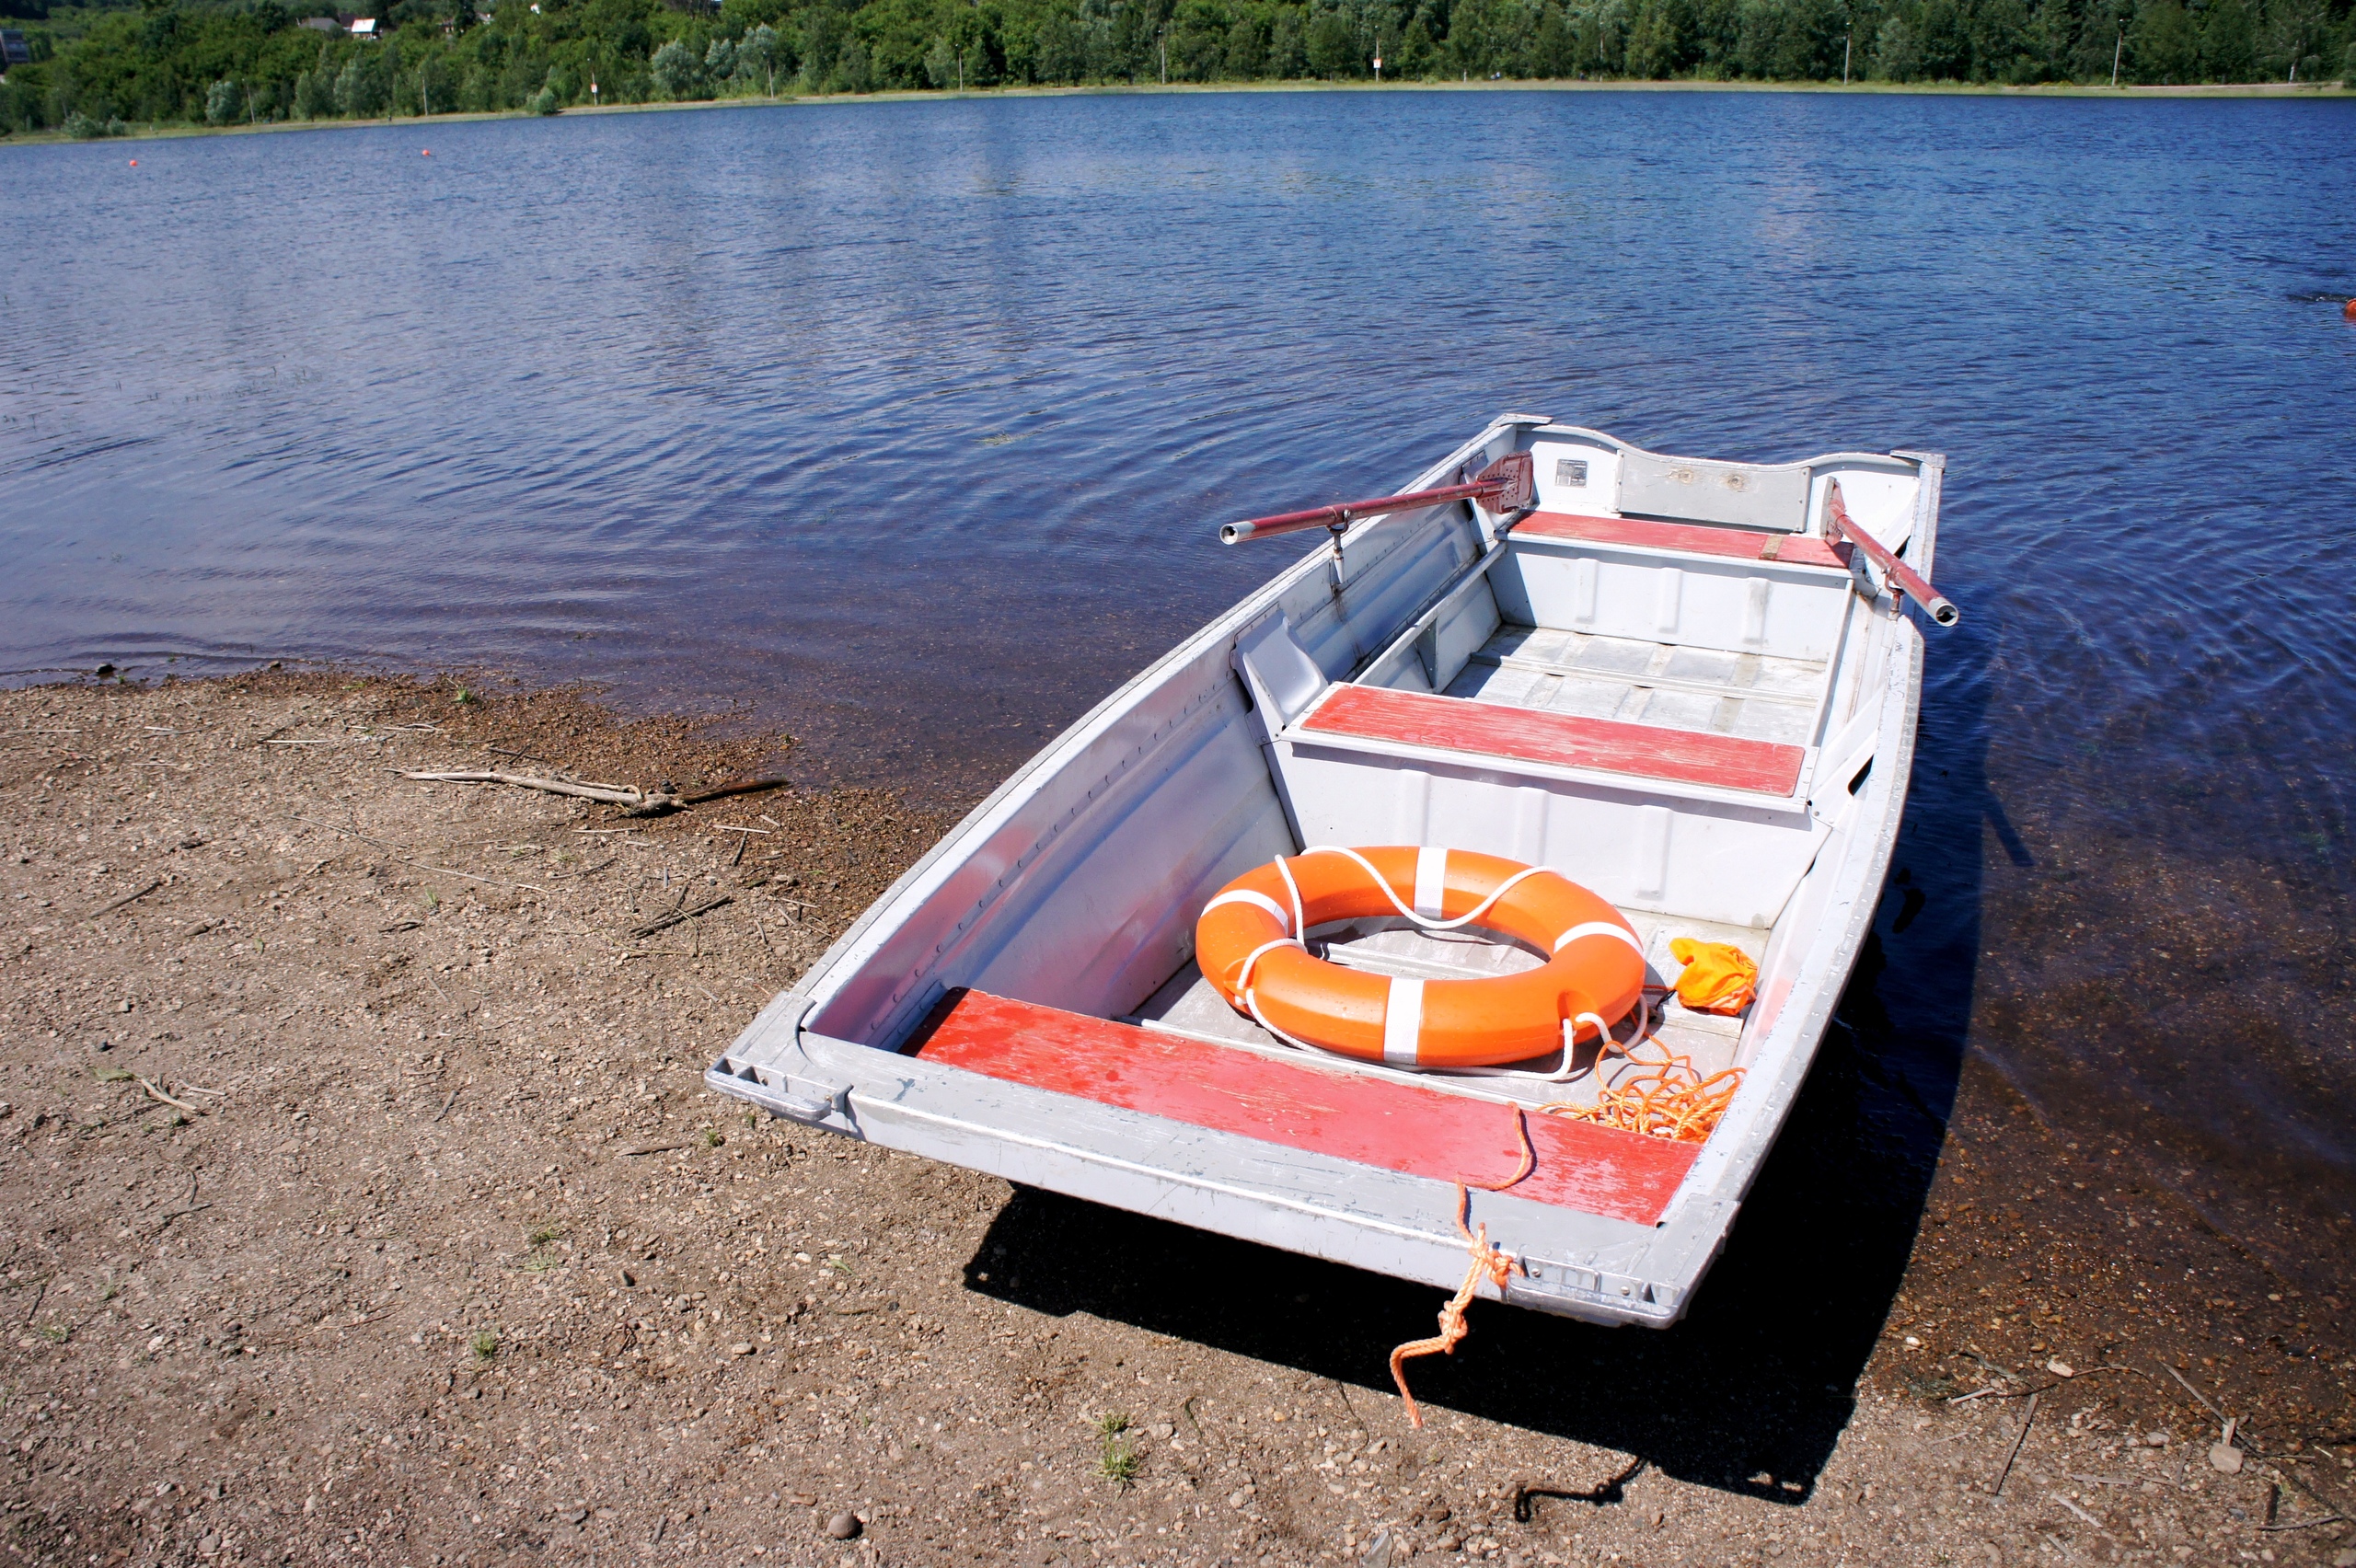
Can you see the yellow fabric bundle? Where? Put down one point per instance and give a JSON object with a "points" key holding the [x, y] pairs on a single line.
{"points": [[1718, 978]]}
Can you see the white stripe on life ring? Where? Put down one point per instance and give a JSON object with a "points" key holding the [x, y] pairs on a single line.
{"points": [[1403, 1022], [1258, 901], [1598, 928], [1431, 881]]}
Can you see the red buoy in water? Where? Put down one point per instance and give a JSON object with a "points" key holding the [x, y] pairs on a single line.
{"points": [[426, 153], [2352, 304], [2351, 311]]}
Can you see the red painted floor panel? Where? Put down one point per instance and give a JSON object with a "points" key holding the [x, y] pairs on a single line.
{"points": [[1693, 538], [1489, 729], [1417, 1132]]}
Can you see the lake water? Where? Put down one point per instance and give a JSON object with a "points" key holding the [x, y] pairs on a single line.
{"points": [[907, 426]]}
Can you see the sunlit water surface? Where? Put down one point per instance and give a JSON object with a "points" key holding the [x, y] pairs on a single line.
{"points": [[905, 426]]}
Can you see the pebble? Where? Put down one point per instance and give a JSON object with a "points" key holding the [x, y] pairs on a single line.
{"points": [[2225, 1459], [2061, 1368], [2344, 1558], [843, 1525], [741, 1347]]}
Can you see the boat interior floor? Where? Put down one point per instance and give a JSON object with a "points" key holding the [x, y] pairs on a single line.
{"points": [[1189, 1006], [1755, 697]]}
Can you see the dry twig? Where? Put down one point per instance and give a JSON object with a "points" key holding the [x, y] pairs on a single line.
{"points": [[677, 917], [2028, 1416], [739, 787], [635, 800], [167, 1100], [126, 898]]}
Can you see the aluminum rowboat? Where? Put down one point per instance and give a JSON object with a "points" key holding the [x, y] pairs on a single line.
{"points": [[1663, 679]]}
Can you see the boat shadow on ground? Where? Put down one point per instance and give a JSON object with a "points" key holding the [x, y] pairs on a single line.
{"points": [[1750, 1392]]}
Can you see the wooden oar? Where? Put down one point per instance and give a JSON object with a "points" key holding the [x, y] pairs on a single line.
{"points": [[1509, 484], [1839, 526]]}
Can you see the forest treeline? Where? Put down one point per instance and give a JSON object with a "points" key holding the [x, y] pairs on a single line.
{"points": [[238, 61]]}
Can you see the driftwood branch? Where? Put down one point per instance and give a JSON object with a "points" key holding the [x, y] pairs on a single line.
{"points": [[637, 800]]}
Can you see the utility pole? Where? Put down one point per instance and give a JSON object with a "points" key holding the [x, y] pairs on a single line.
{"points": [[1161, 37], [2115, 51], [1848, 47], [1378, 69]]}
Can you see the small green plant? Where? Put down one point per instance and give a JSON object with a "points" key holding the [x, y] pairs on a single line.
{"points": [[115, 1075], [432, 901], [1116, 1459], [538, 1262], [713, 1138], [83, 128], [56, 1333], [462, 696], [545, 1234], [485, 1343]]}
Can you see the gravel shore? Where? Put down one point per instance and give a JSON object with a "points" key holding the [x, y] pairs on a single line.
{"points": [[361, 1202]]}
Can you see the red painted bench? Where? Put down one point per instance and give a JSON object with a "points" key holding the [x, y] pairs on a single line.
{"points": [[1319, 1110], [1612, 745], [1692, 538]]}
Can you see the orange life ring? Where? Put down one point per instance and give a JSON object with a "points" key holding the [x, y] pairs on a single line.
{"points": [[1247, 942]]}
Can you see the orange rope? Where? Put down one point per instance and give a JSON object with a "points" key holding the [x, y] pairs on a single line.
{"points": [[1494, 1261], [1673, 1101]]}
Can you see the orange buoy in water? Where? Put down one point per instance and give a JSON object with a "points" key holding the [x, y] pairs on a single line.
{"points": [[135, 163], [2351, 311], [427, 153]]}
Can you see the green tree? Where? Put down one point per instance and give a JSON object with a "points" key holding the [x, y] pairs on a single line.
{"points": [[854, 69], [2228, 42], [315, 95], [1331, 51], [674, 70], [363, 89], [1898, 53], [221, 102], [2165, 42], [756, 55]]}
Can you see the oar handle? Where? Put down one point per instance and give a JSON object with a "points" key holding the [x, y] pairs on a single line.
{"points": [[1839, 526], [1509, 484]]}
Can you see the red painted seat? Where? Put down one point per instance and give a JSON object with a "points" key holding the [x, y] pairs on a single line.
{"points": [[1611, 745], [1691, 539], [1393, 1126]]}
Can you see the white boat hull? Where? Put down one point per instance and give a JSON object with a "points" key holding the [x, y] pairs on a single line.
{"points": [[1446, 683]]}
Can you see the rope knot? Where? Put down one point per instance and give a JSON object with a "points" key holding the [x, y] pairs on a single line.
{"points": [[1488, 1260]]}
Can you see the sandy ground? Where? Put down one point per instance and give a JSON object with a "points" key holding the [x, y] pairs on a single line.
{"points": [[360, 1201]]}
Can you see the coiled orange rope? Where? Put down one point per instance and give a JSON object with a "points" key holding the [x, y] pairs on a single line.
{"points": [[1671, 1101], [1494, 1262]]}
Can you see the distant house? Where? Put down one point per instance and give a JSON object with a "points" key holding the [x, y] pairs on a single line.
{"points": [[14, 51], [362, 27], [321, 24]]}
